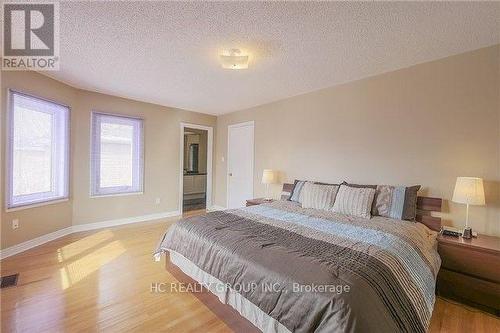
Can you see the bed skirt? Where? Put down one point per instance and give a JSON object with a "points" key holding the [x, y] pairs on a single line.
{"points": [[228, 296]]}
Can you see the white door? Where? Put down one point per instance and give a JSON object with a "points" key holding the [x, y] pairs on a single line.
{"points": [[240, 154]]}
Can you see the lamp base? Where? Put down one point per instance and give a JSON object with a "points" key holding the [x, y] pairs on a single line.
{"points": [[467, 233]]}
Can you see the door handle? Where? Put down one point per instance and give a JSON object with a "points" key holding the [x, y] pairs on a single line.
{"points": [[230, 174]]}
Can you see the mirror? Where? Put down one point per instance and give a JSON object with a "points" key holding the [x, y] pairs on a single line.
{"points": [[195, 151], [193, 157]]}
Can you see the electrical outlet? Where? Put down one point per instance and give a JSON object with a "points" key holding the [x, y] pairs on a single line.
{"points": [[157, 201], [15, 223]]}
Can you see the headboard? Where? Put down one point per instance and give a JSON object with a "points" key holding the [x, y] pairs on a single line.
{"points": [[425, 206]]}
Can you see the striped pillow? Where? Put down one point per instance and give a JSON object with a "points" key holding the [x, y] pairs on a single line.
{"points": [[297, 188], [397, 202], [318, 196], [354, 201]]}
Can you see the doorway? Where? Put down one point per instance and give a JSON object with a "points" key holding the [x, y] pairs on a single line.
{"points": [[196, 167], [240, 163]]}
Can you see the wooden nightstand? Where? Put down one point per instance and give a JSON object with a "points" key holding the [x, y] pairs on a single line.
{"points": [[470, 271], [257, 201]]}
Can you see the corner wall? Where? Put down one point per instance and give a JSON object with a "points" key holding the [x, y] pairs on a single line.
{"points": [[161, 163], [425, 124], [42, 220], [161, 158]]}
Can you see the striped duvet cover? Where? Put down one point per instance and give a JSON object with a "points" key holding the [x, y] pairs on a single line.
{"points": [[317, 271]]}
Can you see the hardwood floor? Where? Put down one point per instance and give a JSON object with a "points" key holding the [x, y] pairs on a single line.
{"points": [[101, 281]]}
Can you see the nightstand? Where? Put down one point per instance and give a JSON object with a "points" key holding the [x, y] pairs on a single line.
{"points": [[257, 201], [470, 271]]}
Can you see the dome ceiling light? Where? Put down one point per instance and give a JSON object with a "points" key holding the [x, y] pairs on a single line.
{"points": [[234, 60]]}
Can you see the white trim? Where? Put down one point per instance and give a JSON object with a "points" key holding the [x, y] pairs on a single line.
{"points": [[35, 95], [243, 124], [39, 204], [9, 155], [138, 141], [125, 220], [21, 247], [116, 194], [246, 123], [215, 208], [210, 140]]}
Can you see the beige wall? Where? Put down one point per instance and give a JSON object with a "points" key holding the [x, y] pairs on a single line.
{"points": [[426, 125], [41, 220], [162, 165]]}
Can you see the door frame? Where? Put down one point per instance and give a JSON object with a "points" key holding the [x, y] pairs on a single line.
{"points": [[243, 124], [210, 140]]}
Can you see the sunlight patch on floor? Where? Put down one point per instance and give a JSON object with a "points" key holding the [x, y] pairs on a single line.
{"points": [[82, 245], [79, 269]]}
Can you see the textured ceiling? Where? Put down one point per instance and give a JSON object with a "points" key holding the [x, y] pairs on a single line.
{"points": [[167, 53]]}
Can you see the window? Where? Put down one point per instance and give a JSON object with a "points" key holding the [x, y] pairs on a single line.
{"points": [[37, 151], [117, 154]]}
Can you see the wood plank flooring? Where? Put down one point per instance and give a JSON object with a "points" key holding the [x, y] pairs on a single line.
{"points": [[101, 281]]}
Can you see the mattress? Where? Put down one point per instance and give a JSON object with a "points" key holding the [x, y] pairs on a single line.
{"points": [[308, 270]]}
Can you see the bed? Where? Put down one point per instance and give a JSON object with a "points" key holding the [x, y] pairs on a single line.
{"points": [[290, 269]]}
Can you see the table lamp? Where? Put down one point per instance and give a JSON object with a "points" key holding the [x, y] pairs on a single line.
{"points": [[269, 177], [469, 191]]}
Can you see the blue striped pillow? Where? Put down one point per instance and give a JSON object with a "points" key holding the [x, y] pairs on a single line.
{"points": [[297, 188], [397, 202]]}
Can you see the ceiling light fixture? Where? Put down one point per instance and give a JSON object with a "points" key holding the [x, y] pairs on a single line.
{"points": [[234, 60]]}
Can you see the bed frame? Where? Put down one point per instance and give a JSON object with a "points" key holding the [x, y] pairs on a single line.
{"points": [[425, 207], [224, 312]]}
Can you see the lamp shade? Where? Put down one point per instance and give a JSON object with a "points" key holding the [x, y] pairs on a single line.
{"points": [[469, 190], [269, 176]]}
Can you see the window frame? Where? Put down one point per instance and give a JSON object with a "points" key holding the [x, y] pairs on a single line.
{"points": [[36, 199], [95, 138]]}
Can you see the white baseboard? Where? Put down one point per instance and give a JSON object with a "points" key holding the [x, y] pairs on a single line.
{"points": [[214, 208], [125, 220], [21, 247]]}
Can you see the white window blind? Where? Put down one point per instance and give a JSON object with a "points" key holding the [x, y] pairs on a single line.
{"points": [[37, 150], [117, 154]]}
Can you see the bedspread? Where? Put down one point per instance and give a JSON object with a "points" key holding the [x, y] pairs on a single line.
{"points": [[314, 270]]}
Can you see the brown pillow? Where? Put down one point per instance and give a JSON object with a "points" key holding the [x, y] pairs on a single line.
{"points": [[359, 185], [320, 183], [398, 202]]}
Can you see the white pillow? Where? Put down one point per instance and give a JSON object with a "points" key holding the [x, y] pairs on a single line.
{"points": [[354, 201], [318, 196]]}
